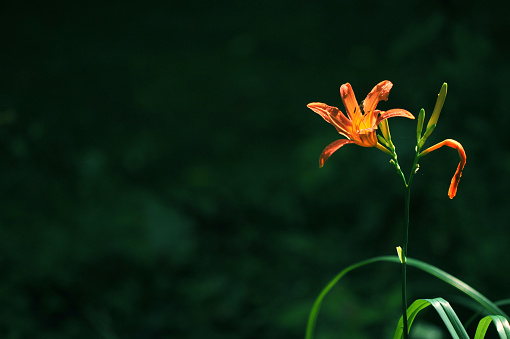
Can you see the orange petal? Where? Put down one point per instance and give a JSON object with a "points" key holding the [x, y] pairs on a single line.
{"points": [[332, 115], [397, 112], [367, 138], [332, 148], [452, 191], [378, 93], [351, 104]]}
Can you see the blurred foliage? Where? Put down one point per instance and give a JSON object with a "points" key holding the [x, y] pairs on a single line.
{"points": [[159, 168]]}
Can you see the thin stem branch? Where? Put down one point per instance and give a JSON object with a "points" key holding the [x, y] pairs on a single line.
{"points": [[407, 187], [395, 163], [414, 169], [404, 299], [404, 260]]}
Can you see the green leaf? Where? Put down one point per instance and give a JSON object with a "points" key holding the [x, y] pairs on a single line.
{"points": [[412, 312], [487, 305], [312, 319], [501, 324], [483, 325], [445, 311], [453, 323], [503, 302]]}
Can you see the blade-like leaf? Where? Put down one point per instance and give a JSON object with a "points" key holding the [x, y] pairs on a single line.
{"points": [[452, 322], [489, 306], [483, 325], [502, 302], [445, 311], [445, 318], [312, 319], [412, 312], [501, 324]]}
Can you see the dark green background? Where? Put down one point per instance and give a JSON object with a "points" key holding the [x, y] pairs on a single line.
{"points": [[159, 168]]}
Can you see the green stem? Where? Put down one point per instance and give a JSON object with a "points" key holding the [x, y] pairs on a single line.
{"points": [[404, 300], [414, 169], [404, 247], [407, 186], [404, 261]]}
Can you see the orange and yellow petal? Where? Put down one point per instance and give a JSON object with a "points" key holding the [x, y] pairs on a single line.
{"points": [[378, 93], [397, 112], [367, 138], [332, 148], [351, 104], [332, 115]]}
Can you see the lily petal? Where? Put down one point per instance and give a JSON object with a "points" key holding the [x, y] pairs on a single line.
{"points": [[378, 93], [397, 112], [452, 191], [332, 148], [332, 115], [351, 104]]}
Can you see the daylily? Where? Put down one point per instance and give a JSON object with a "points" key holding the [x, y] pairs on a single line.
{"points": [[458, 173], [359, 127]]}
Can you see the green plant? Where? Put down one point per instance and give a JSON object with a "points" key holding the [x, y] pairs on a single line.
{"points": [[360, 126]]}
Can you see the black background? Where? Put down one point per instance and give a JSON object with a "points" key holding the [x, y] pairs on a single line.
{"points": [[159, 168]]}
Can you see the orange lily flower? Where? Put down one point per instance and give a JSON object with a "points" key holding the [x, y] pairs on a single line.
{"points": [[452, 191], [361, 124]]}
